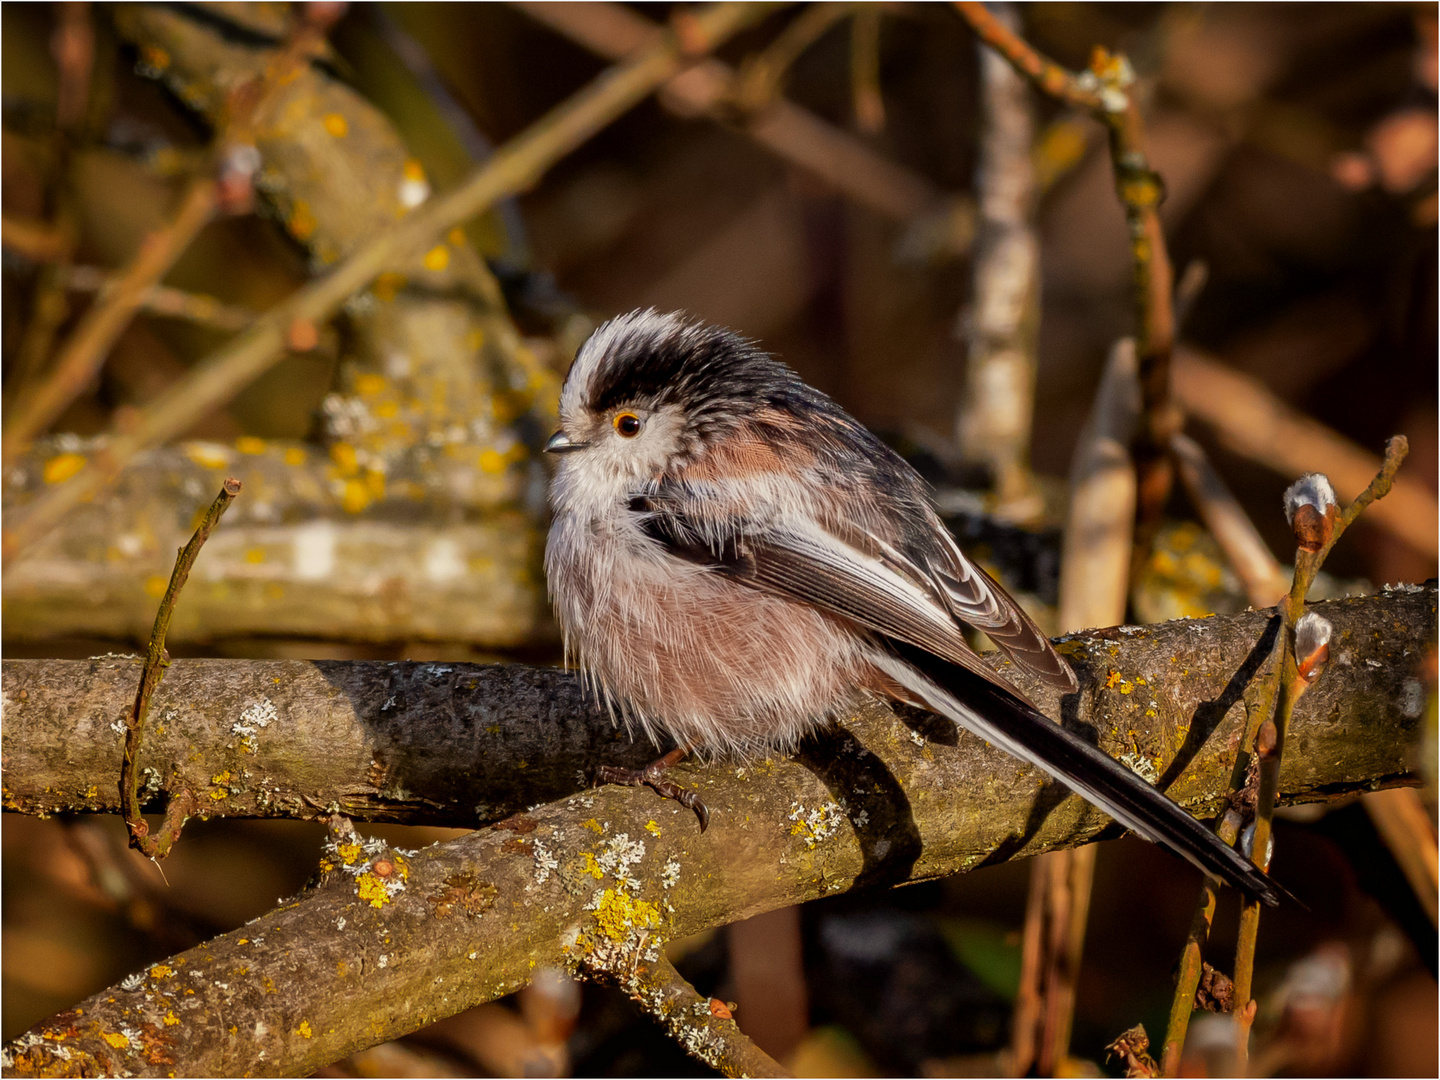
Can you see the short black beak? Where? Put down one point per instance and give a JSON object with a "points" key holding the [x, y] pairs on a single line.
{"points": [[560, 443]]}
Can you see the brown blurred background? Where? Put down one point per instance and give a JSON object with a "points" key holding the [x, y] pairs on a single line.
{"points": [[1298, 148]]}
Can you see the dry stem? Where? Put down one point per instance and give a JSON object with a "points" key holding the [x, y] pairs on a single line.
{"points": [[514, 167], [156, 659]]}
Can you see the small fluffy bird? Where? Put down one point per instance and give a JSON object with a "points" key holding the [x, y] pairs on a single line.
{"points": [[734, 558]]}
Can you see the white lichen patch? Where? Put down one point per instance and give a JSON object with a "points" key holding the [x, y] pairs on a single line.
{"points": [[817, 825], [618, 855], [670, 874], [545, 862], [1140, 765], [257, 716]]}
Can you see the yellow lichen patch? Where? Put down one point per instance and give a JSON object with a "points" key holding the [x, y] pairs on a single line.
{"points": [[249, 444], [302, 220], [207, 455], [437, 258], [1112, 679], [593, 826], [294, 456], [387, 285], [335, 124], [62, 467], [1127, 688], [171, 1019], [161, 971], [345, 457], [221, 778], [651, 827], [219, 794], [115, 1039], [356, 496], [591, 867], [370, 384], [349, 852], [372, 889], [619, 913], [304, 1030], [92, 792], [255, 555], [491, 462]]}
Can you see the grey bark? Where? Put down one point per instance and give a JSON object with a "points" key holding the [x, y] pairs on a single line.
{"points": [[600, 878]]}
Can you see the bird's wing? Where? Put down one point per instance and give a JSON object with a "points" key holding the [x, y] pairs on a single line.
{"points": [[919, 647], [810, 564]]}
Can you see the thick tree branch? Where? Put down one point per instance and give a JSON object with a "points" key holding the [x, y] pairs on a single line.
{"points": [[390, 940], [453, 744]]}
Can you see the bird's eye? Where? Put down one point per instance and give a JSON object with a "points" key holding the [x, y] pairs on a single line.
{"points": [[628, 424]]}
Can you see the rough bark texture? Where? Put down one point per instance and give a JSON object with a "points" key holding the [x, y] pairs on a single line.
{"points": [[417, 519], [458, 744], [388, 940]]}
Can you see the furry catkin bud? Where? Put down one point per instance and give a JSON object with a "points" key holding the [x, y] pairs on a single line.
{"points": [[1312, 645], [1309, 506]]}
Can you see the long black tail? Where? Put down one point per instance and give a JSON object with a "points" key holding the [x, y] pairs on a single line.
{"points": [[986, 710]]}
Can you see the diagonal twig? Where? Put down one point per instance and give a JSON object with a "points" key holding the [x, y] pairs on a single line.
{"points": [[515, 167], [713, 89], [1264, 740], [182, 803]]}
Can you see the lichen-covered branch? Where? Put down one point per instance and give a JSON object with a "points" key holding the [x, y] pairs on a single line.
{"points": [[390, 940], [706, 1031], [453, 744]]}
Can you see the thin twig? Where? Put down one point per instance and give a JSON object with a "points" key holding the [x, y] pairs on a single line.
{"points": [[81, 356], [1048, 76], [1292, 683], [759, 82], [1253, 422], [163, 300], [1264, 737], [1248, 554], [1104, 90], [707, 1032], [38, 241], [869, 103], [710, 88], [182, 803], [73, 46], [514, 167], [1192, 960], [1404, 824]]}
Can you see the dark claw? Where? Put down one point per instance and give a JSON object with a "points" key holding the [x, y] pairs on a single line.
{"points": [[652, 776]]}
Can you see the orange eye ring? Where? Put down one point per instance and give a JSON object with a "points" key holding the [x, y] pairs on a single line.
{"points": [[627, 425]]}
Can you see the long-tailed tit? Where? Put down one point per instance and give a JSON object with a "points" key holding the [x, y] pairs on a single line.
{"points": [[734, 558]]}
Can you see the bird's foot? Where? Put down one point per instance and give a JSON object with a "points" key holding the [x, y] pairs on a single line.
{"points": [[653, 777]]}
